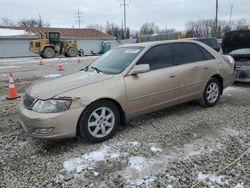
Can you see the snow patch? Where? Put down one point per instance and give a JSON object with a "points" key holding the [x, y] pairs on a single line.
{"points": [[155, 149], [52, 75], [140, 171], [89, 159], [138, 162], [232, 89], [219, 180], [239, 185], [13, 32], [10, 67]]}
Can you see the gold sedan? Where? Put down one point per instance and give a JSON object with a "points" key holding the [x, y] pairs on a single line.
{"points": [[125, 82]]}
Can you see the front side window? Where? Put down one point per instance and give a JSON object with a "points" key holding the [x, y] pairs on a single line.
{"points": [[115, 61], [158, 57], [187, 53]]}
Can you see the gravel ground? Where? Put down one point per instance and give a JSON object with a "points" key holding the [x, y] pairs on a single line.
{"points": [[174, 147]]}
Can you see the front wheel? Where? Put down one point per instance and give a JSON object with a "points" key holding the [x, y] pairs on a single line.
{"points": [[99, 121], [211, 93]]}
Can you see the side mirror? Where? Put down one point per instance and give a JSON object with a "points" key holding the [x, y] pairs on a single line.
{"points": [[137, 69]]}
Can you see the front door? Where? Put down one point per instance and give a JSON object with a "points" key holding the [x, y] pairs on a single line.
{"points": [[157, 88]]}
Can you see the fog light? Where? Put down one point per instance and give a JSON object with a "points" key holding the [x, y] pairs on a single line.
{"points": [[43, 130]]}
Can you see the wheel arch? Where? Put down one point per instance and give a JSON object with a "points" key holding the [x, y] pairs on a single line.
{"points": [[117, 104]]}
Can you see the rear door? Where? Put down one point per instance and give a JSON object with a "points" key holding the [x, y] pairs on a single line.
{"points": [[157, 88], [195, 66]]}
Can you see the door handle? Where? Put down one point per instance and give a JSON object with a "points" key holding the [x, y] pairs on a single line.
{"points": [[206, 68], [172, 76]]}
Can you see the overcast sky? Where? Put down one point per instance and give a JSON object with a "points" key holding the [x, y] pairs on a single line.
{"points": [[173, 13]]}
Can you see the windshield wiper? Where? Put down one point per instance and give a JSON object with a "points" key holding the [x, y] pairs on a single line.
{"points": [[84, 69], [97, 70]]}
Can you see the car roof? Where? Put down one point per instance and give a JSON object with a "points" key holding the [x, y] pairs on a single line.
{"points": [[154, 43]]}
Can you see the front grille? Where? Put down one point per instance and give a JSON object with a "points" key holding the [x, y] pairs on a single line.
{"points": [[242, 75], [28, 101]]}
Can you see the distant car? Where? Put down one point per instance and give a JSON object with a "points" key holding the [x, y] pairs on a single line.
{"points": [[237, 44], [125, 82], [210, 41], [236, 40], [242, 58]]}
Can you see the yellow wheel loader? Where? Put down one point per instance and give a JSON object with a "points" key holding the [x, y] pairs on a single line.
{"points": [[52, 44]]}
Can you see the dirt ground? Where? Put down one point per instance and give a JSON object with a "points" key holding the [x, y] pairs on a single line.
{"points": [[175, 147]]}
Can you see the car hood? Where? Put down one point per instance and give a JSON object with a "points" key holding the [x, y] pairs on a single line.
{"points": [[52, 88]]}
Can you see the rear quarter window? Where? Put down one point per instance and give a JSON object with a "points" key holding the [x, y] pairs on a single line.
{"points": [[185, 53], [206, 54], [189, 53]]}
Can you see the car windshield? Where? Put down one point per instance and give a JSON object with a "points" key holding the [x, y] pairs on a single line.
{"points": [[243, 51], [115, 60]]}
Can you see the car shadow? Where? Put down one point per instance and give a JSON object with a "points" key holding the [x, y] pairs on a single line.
{"points": [[241, 84], [178, 110]]}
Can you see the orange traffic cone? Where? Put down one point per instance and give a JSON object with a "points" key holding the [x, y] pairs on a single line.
{"points": [[12, 90], [78, 59], [59, 65], [41, 61]]}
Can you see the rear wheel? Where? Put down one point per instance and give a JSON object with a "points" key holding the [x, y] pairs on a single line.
{"points": [[99, 121], [48, 52], [71, 52], [211, 93]]}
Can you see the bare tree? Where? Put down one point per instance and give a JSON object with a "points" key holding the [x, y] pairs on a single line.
{"points": [[167, 30], [118, 32], [6, 22], [149, 28], [32, 23], [203, 28], [96, 26], [242, 24]]}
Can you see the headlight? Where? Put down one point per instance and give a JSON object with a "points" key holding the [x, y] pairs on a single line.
{"points": [[51, 106]]}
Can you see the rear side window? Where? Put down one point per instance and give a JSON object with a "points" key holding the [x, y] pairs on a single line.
{"points": [[206, 54], [212, 42], [187, 53], [158, 57]]}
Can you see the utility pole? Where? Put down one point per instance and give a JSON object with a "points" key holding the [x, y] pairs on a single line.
{"points": [[216, 17], [231, 11], [123, 30], [78, 18], [40, 21], [124, 5]]}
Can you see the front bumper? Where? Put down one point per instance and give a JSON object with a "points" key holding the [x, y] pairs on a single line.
{"points": [[58, 125], [243, 74]]}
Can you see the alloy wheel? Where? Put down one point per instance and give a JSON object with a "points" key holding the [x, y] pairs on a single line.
{"points": [[101, 122], [212, 92]]}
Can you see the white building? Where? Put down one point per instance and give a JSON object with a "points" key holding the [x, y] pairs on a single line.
{"points": [[14, 41]]}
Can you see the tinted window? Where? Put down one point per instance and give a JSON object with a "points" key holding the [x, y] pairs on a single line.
{"points": [[187, 53], [206, 54], [212, 42], [158, 57]]}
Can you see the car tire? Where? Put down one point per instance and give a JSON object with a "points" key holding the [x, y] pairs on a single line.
{"points": [[211, 94], [99, 121]]}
